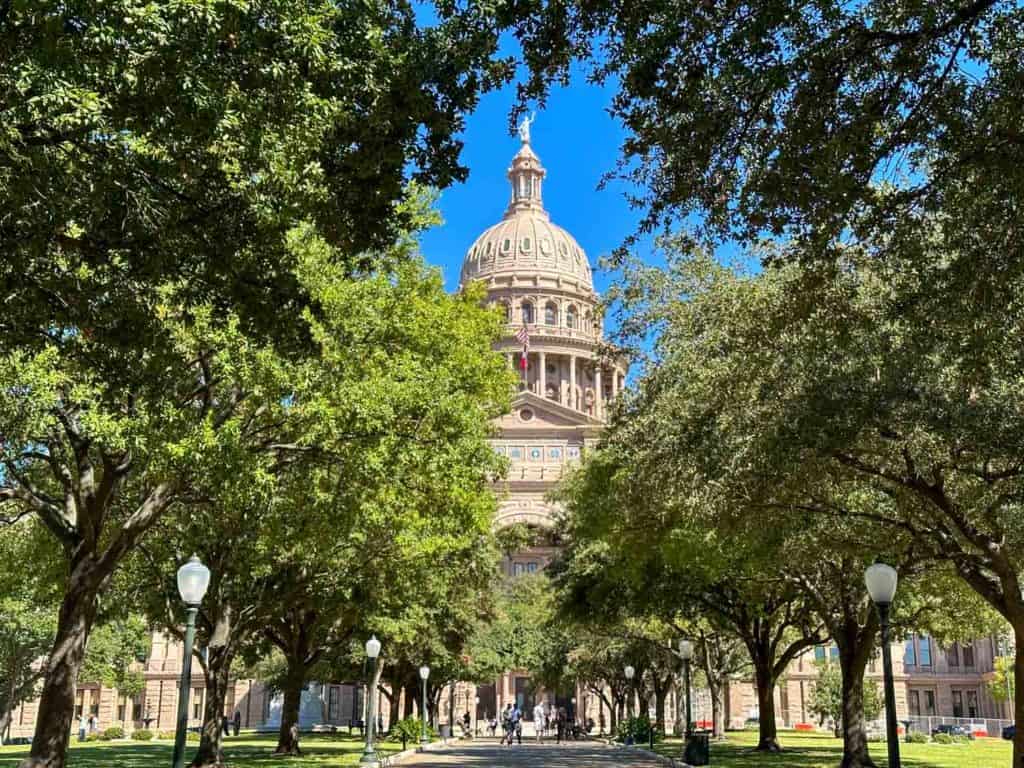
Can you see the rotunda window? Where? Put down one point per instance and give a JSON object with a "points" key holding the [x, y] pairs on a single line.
{"points": [[527, 309], [507, 309], [570, 317], [526, 414], [526, 244], [551, 314], [545, 246], [506, 245]]}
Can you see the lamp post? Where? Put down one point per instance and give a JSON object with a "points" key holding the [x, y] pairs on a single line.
{"points": [[424, 674], [372, 652], [881, 580], [193, 579], [476, 716], [686, 653]]}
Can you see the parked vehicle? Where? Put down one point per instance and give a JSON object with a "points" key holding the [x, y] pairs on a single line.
{"points": [[953, 730], [1009, 732]]}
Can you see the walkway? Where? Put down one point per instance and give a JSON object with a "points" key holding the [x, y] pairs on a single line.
{"points": [[582, 754]]}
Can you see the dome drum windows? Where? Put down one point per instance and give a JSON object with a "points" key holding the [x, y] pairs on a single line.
{"points": [[506, 245], [526, 245], [545, 246], [551, 314], [527, 312], [570, 317]]}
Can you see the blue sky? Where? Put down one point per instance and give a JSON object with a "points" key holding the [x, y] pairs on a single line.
{"points": [[577, 142]]}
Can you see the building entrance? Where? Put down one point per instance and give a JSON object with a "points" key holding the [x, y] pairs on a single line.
{"points": [[525, 698]]}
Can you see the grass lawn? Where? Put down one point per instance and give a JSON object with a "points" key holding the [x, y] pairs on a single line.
{"points": [[244, 751], [816, 750]]}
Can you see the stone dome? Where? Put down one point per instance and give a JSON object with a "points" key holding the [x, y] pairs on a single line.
{"points": [[525, 243]]}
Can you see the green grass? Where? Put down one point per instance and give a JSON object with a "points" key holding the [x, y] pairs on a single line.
{"points": [[816, 750], [245, 751]]}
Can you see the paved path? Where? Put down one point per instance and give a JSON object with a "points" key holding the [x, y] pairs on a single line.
{"points": [[586, 754]]}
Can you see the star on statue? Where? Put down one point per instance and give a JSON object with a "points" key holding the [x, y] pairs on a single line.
{"points": [[524, 127]]}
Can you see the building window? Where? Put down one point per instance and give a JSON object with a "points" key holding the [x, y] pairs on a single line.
{"points": [[573, 451], [969, 655], [507, 309], [972, 704], [515, 452], [915, 703], [79, 703], [122, 708], [929, 703], [570, 317], [525, 414], [551, 315], [333, 701], [506, 244], [555, 453], [819, 653], [527, 313], [531, 567], [526, 244], [499, 449], [958, 704], [953, 656], [536, 454], [924, 651], [909, 656], [197, 703], [545, 246]]}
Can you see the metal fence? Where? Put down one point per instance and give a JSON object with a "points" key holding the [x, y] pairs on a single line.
{"points": [[979, 726]]}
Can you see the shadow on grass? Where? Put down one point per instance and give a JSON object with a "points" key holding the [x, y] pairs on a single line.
{"points": [[318, 752]]}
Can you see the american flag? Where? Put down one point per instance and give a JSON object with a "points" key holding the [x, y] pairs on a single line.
{"points": [[523, 337]]}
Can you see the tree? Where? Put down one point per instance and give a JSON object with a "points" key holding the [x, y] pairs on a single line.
{"points": [[175, 147], [813, 121], [879, 383], [827, 697], [27, 619]]}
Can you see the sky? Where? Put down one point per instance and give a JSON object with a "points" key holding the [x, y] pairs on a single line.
{"points": [[577, 142]]}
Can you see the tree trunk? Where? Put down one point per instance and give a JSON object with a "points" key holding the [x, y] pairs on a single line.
{"points": [[217, 675], [57, 699], [768, 736], [395, 702], [294, 682], [5, 723], [659, 709], [717, 709], [855, 644]]}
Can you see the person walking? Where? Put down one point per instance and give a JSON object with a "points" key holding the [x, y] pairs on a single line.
{"points": [[560, 719], [538, 720], [94, 723], [507, 725], [82, 723], [238, 722], [517, 722]]}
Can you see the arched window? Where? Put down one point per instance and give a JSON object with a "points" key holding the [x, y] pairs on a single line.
{"points": [[570, 317], [551, 314], [528, 313], [507, 309]]}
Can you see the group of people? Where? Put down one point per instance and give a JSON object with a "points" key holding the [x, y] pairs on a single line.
{"points": [[90, 723], [546, 719]]}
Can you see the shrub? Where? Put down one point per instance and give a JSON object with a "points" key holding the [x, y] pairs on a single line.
{"points": [[94, 736], [166, 735], [142, 734], [942, 738], [411, 729], [916, 737], [639, 728], [111, 733], [192, 736]]}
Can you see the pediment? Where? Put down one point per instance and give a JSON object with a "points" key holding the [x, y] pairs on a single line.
{"points": [[545, 413]]}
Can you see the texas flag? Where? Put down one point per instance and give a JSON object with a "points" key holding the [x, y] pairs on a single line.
{"points": [[523, 337]]}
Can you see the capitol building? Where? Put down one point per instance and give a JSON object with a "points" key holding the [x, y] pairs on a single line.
{"points": [[539, 277]]}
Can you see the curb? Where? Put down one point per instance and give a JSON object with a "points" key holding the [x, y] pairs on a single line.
{"points": [[669, 761]]}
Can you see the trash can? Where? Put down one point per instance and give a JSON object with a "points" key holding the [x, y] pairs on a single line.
{"points": [[698, 748]]}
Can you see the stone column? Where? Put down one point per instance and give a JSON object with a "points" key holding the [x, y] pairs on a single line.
{"points": [[572, 381], [615, 383], [599, 392], [543, 374]]}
